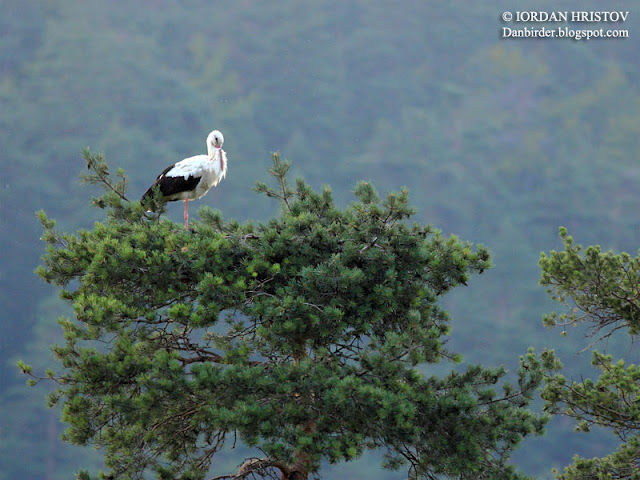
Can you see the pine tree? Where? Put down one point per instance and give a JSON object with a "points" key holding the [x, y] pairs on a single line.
{"points": [[307, 337], [601, 289]]}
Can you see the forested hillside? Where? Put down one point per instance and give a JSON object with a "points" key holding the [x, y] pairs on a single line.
{"points": [[499, 141]]}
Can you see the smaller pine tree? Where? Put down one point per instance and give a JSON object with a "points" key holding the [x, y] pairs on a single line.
{"points": [[305, 336], [601, 289]]}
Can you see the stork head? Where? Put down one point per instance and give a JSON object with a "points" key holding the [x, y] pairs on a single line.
{"points": [[215, 139]]}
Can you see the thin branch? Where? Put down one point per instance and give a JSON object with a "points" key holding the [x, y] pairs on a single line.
{"points": [[257, 465], [102, 175]]}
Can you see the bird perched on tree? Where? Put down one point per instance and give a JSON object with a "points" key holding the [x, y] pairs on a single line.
{"points": [[191, 178]]}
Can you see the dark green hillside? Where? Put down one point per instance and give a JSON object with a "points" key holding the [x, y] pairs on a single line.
{"points": [[498, 141]]}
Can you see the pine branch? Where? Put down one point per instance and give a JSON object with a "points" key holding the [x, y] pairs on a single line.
{"points": [[279, 172], [101, 175], [259, 466]]}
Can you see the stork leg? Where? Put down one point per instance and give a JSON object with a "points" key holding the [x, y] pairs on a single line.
{"points": [[186, 214]]}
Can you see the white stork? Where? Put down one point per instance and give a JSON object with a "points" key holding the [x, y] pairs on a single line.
{"points": [[191, 178]]}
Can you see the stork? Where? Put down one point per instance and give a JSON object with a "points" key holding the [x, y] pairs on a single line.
{"points": [[191, 178]]}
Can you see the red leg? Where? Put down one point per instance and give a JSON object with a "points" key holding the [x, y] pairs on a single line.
{"points": [[186, 214]]}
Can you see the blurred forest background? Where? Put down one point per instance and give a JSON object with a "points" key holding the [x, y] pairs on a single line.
{"points": [[500, 141]]}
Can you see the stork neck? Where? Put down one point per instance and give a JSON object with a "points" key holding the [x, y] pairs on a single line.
{"points": [[212, 151]]}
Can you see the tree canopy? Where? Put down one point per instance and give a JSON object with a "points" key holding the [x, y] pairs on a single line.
{"points": [[601, 289], [489, 134], [306, 337]]}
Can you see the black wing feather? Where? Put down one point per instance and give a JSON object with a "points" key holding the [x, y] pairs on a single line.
{"points": [[171, 185]]}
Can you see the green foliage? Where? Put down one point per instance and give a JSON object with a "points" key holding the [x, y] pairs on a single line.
{"points": [[488, 134], [300, 336], [597, 286], [600, 288]]}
